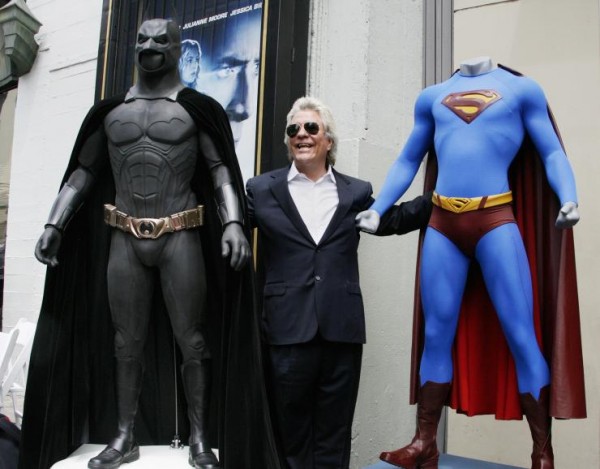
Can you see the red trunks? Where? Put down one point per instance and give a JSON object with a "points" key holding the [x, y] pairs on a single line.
{"points": [[467, 228]]}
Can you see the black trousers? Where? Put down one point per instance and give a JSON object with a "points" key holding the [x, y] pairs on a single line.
{"points": [[314, 386]]}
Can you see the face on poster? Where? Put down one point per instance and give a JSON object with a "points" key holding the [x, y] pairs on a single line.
{"points": [[220, 56]]}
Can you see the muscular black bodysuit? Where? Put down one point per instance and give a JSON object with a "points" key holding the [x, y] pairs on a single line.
{"points": [[153, 148]]}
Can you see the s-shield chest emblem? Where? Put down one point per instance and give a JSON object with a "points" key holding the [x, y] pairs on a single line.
{"points": [[468, 105]]}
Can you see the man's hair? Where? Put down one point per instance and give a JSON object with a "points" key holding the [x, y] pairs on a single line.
{"points": [[308, 103]]}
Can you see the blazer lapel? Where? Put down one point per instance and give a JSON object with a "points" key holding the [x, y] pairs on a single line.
{"points": [[281, 192], [344, 204]]}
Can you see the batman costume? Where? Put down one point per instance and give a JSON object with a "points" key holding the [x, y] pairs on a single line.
{"points": [[154, 239]]}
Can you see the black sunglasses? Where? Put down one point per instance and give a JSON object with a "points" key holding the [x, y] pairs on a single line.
{"points": [[311, 127]]}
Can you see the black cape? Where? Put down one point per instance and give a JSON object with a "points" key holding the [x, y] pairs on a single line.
{"points": [[70, 390]]}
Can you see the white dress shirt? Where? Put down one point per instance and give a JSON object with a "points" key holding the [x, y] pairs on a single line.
{"points": [[315, 200]]}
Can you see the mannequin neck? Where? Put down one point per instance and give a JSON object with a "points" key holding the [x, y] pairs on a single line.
{"points": [[159, 86], [476, 66]]}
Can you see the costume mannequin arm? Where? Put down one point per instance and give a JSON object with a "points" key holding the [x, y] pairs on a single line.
{"points": [[405, 167], [69, 200], [558, 170], [92, 159], [407, 164], [233, 241]]}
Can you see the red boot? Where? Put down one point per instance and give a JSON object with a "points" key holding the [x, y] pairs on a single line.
{"points": [[422, 453], [539, 421]]}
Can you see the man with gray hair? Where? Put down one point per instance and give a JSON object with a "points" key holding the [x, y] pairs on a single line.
{"points": [[313, 311]]}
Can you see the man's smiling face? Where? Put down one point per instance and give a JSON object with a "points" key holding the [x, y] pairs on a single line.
{"points": [[307, 149]]}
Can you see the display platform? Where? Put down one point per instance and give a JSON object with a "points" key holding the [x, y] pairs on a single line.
{"points": [[160, 457], [151, 457], [448, 461]]}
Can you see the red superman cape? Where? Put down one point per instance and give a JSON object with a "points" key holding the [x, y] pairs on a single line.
{"points": [[485, 380]]}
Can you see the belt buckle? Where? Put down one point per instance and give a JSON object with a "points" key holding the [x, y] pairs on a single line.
{"points": [[461, 204], [147, 228]]}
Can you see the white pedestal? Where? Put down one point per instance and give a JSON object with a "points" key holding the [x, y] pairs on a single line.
{"points": [[151, 457]]}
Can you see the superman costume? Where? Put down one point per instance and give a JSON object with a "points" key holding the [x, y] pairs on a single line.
{"points": [[477, 125]]}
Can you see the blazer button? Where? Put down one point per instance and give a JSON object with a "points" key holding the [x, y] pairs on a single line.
{"points": [[317, 278]]}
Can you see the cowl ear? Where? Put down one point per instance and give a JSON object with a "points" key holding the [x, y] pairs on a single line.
{"points": [[167, 11]]}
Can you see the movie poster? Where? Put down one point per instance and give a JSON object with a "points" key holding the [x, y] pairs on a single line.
{"points": [[250, 55], [222, 42], [221, 57]]}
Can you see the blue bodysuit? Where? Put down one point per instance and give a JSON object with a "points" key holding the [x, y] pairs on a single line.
{"points": [[476, 125]]}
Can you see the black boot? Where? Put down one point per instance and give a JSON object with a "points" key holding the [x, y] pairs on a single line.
{"points": [[123, 448], [196, 383]]}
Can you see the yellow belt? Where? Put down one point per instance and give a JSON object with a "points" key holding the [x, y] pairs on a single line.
{"points": [[152, 228], [466, 204]]}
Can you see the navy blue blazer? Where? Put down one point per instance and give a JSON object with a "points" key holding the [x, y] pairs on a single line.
{"points": [[308, 286]]}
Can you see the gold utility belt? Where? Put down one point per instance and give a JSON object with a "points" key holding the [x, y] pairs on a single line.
{"points": [[152, 228], [467, 204]]}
